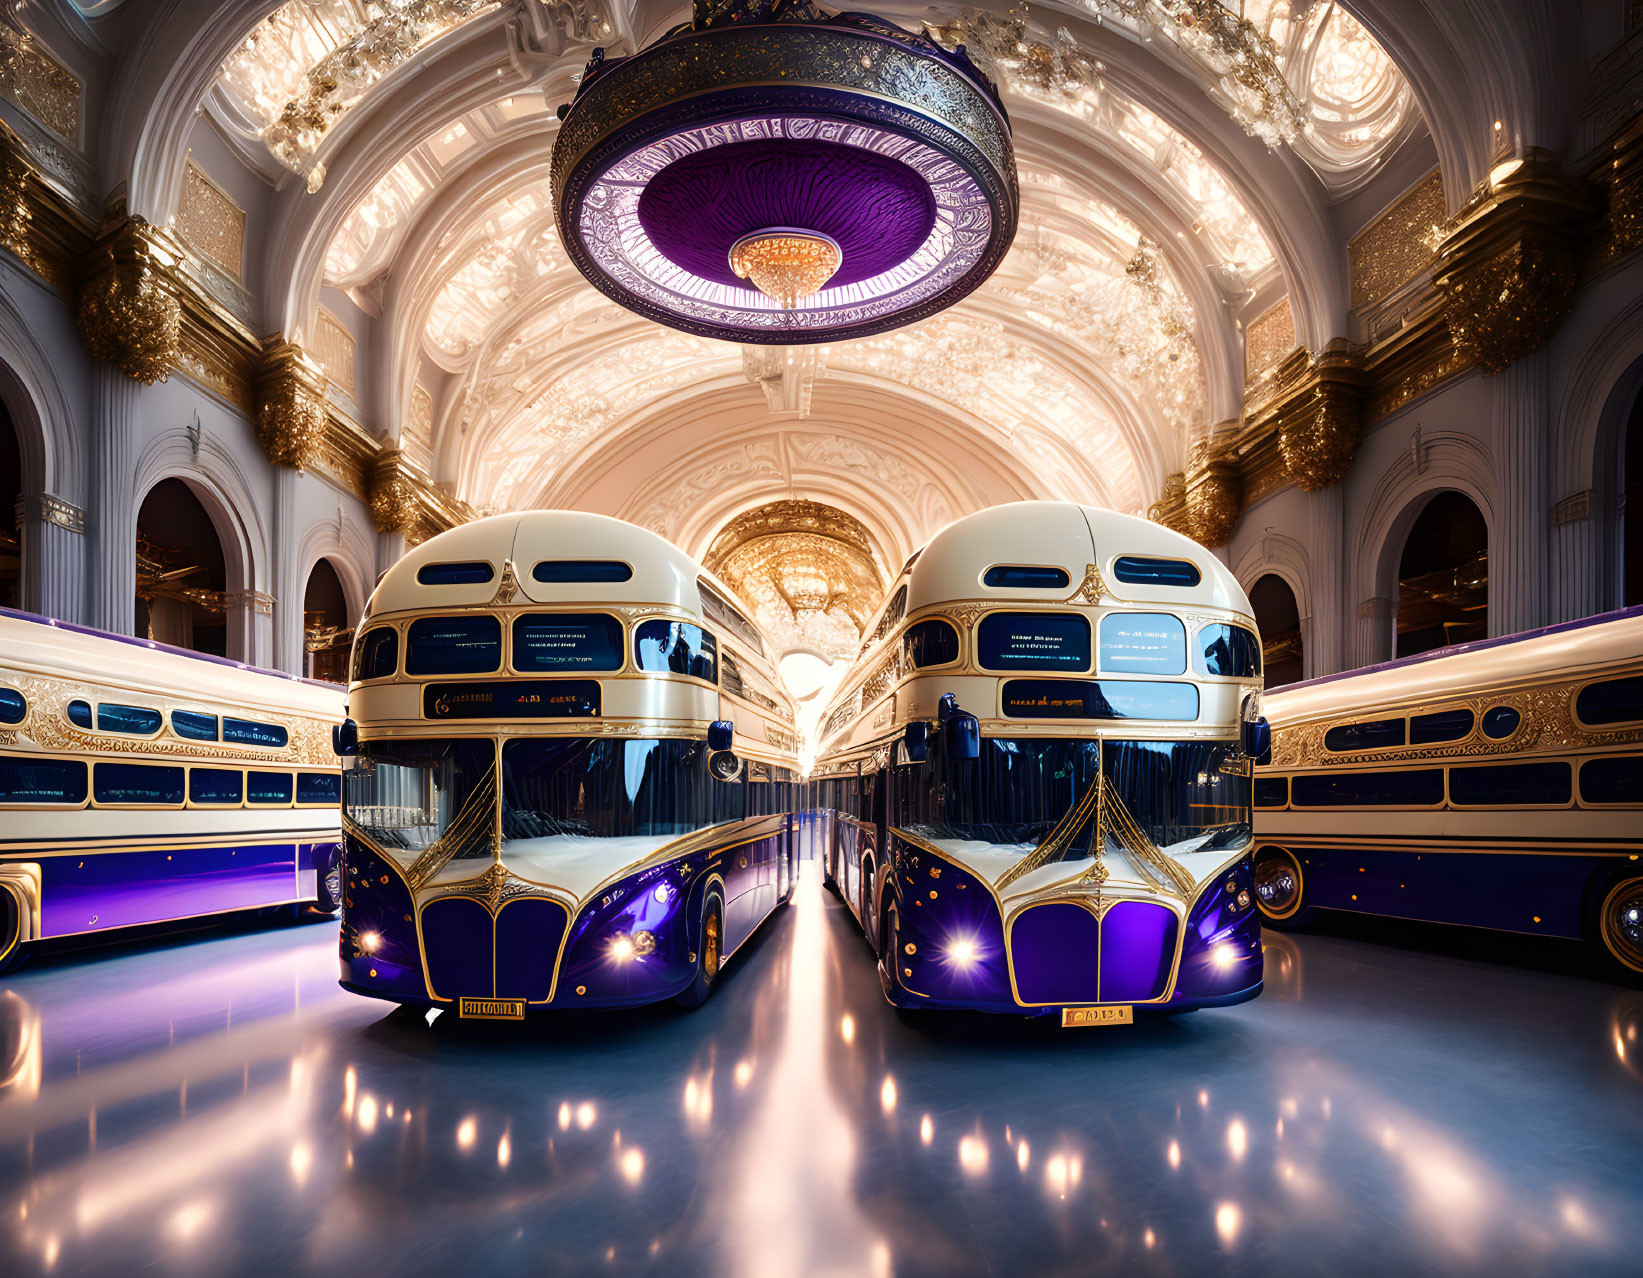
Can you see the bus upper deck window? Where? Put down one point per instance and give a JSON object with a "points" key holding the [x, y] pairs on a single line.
{"points": [[377, 655], [567, 641], [251, 732], [464, 574], [79, 713], [42, 780], [1500, 722], [932, 643], [137, 784], [1440, 725], [1230, 651], [1026, 577], [133, 720], [454, 645], [1346, 738], [216, 785], [268, 787], [676, 647], [582, 570], [1143, 643], [1612, 701], [1034, 641], [1138, 570], [194, 725], [12, 706]]}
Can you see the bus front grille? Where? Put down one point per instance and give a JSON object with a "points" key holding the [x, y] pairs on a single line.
{"points": [[1060, 953], [471, 953]]}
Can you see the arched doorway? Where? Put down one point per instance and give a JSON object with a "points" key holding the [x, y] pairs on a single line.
{"points": [[1278, 617], [1443, 577], [11, 488], [1631, 507], [182, 582], [327, 635]]}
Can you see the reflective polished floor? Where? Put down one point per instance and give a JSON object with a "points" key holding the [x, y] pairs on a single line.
{"points": [[215, 1104]]}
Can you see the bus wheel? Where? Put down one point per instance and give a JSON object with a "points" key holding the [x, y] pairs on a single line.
{"points": [[12, 953], [1279, 888], [328, 899], [1620, 924], [709, 956], [890, 956]]}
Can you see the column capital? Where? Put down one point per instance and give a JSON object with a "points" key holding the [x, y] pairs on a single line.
{"points": [[290, 393], [252, 601], [127, 311]]}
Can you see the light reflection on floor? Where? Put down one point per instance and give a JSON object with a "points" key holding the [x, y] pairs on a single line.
{"points": [[216, 1104]]}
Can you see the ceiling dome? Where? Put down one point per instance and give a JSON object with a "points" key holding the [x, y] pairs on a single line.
{"points": [[769, 122]]}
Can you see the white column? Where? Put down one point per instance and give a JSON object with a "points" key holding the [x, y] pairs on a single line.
{"points": [[112, 514], [287, 619], [1582, 576], [1324, 647], [1519, 578], [54, 556], [1377, 622]]}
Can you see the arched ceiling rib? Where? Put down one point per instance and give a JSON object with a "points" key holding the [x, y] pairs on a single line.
{"points": [[1150, 219]]}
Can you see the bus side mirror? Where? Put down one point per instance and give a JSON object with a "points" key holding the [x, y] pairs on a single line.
{"points": [[345, 737], [1258, 740], [947, 707], [964, 736], [916, 742], [720, 733]]}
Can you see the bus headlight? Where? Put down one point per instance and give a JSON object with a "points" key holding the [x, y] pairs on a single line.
{"points": [[962, 952], [624, 948], [369, 942]]}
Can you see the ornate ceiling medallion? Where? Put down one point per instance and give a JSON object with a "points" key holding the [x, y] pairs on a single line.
{"points": [[770, 173]]}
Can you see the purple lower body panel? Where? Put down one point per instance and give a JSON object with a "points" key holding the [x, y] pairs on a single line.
{"points": [[100, 890], [1137, 952]]}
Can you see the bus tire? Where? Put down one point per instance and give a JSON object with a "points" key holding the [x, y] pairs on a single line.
{"points": [[12, 953], [328, 896], [1280, 889], [709, 953], [890, 949], [1619, 926]]}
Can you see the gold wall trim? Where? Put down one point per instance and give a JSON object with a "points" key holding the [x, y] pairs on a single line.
{"points": [[211, 220]]}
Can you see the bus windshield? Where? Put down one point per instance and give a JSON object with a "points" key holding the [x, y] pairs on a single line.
{"points": [[408, 795], [578, 788], [1182, 795]]}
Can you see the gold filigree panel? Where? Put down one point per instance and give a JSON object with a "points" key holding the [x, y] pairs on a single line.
{"points": [[418, 441], [210, 221], [1268, 339], [335, 349], [1398, 245], [44, 88]]}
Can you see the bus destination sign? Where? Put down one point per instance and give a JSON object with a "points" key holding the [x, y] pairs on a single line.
{"points": [[513, 699]]}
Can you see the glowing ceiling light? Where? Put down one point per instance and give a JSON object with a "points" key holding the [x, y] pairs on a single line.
{"points": [[787, 264]]}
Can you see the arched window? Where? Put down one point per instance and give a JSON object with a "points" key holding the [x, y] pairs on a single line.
{"points": [[1631, 507], [327, 634], [11, 487], [1443, 577], [1278, 618], [182, 582]]}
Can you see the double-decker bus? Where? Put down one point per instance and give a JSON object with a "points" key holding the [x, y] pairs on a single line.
{"points": [[1495, 784], [1035, 780], [572, 773], [142, 784]]}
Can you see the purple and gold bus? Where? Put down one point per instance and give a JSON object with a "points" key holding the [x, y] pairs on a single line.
{"points": [[570, 773], [142, 784], [1034, 783]]}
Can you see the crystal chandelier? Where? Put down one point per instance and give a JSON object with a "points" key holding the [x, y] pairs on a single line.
{"points": [[773, 173], [1240, 56], [786, 264]]}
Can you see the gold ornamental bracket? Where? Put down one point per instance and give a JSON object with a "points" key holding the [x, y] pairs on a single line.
{"points": [[290, 394], [1318, 418], [390, 488], [1509, 267], [127, 310]]}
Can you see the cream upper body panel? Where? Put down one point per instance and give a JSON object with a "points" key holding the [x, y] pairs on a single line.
{"points": [[947, 578], [663, 581], [155, 674], [662, 573], [1600, 647]]}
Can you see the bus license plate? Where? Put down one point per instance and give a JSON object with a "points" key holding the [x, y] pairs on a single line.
{"points": [[1071, 1016], [492, 1009]]}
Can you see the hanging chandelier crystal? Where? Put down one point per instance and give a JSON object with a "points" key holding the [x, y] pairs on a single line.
{"points": [[774, 173], [786, 264]]}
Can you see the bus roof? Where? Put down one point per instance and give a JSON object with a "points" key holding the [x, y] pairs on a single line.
{"points": [[659, 572], [1563, 649], [1068, 536]]}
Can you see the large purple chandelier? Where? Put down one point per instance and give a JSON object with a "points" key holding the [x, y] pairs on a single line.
{"points": [[770, 173]]}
